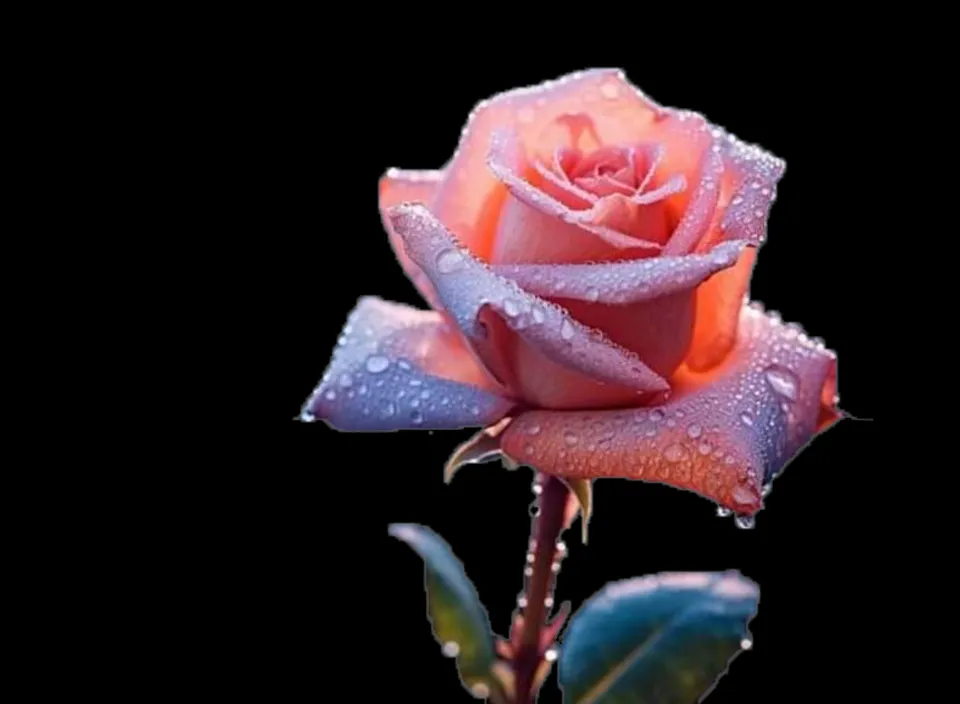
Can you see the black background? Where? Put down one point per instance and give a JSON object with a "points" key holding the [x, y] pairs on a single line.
{"points": [[346, 599]]}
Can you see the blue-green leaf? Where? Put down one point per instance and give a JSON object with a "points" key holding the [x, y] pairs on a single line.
{"points": [[460, 622], [660, 639]]}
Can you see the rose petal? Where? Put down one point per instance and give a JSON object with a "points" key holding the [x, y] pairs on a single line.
{"points": [[560, 189], [621, 282], [723, 435], [467, 288], [694, 225], [645, 305], [619, 112], [399, 186], [397, 368], [719, 300], [535, 227], [750, 179]]}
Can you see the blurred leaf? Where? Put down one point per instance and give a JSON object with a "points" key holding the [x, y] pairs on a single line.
{"points": [[663, 639], [460, 623]]}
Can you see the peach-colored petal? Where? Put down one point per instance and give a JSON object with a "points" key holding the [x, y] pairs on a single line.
{"points": [[399, 186], [621, 282], [468, 288], [723, 435], [694, 224], [719, 300], [397, 368], [618, 111], [523, 235]]}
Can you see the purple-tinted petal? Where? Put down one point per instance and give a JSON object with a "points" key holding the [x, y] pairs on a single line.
{"points": [[467, 287], [750, 181], [723, 434], [621, 282], [398, 368]]}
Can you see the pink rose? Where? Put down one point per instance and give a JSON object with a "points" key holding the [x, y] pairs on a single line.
{"points": [[587, 254]]}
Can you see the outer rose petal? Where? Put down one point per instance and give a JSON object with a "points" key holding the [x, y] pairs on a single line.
{"points": [[723, 435], [470, 290], [397, 368], [398, 186], [654, 309], [620, 113]]}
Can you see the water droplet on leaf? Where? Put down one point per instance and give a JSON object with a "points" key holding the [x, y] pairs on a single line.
{"points": [[377, 363]]}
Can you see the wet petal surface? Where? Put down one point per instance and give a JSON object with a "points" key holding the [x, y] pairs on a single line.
{"points": [[723, 434], [397, 368]]}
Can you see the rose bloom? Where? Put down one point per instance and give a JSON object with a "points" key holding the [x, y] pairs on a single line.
{"points": [[586, 254]]}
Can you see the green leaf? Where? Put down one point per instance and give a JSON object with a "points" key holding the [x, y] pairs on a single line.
{"points": [[660, 639], [460, 622]]}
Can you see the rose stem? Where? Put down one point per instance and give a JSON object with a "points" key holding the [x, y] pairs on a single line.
{"points": [[545, 532]]}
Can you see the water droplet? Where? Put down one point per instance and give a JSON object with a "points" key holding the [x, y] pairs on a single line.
{"points": [[531, 557], [566, 329], [746, 644], [548, 602], [570, 438], [537, 489], [695, 431], [533, 429], [480, 690], [555, 567], [551, 655], [528, 571], [704, 448], [362, 390], [534, 510], [346, 380], [377, 363], [766, 489], [451, 649], [416, 382], [522, 601], [673, 453], [745, 522], [723, 512], [448, 261], [782, 381], [656, 415], [561, 548], [746, 418], [330, 395], [538, 316], [511, 307], [593, 294], [416, 418], [474, 410], [307, 417]]}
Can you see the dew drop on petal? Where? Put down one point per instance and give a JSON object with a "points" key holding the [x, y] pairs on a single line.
{"points": [[745, 522], [416, 418], [746, 418], [377, 363], [656, 415], [570, 438], [550, 655], [511, 308], [567, 330], [389, 409], [695, 431], [538, 316], [533, 429], [448, 261], [782, 381], [451, 649], [593, 294], [346, 380], [723, 512], [480, 690], [746, 644], [331, 395]]}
